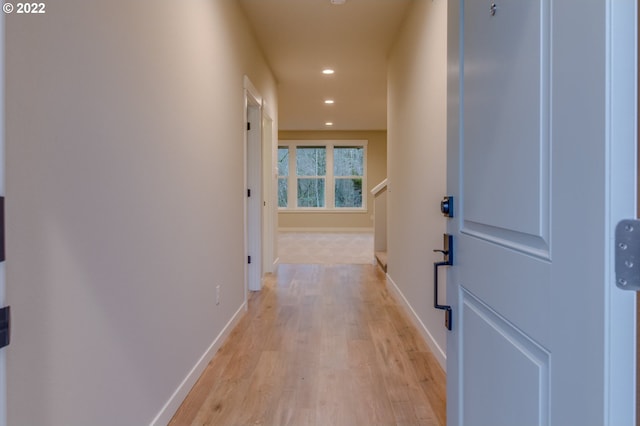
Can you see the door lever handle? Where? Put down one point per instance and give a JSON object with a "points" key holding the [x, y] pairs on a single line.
{"points": [[448, 260], [447, 249]]}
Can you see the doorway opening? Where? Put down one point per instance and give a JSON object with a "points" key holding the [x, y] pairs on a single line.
{"points": [[325, 201], [254, 189]]}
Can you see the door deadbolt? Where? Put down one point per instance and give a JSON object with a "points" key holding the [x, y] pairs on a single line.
{"points": [[446, 206]]}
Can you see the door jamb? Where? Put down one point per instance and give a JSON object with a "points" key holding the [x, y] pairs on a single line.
{"points": [[269, 191]]}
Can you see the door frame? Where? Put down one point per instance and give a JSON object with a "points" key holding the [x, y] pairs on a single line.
{"points": [[269, 191], [3, 277], [638, 215], [253, 234]]}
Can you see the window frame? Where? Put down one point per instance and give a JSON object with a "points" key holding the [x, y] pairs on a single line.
{"points": [[329, 184]]}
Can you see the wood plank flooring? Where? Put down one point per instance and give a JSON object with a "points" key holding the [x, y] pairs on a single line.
{"points": [[320, 345]]}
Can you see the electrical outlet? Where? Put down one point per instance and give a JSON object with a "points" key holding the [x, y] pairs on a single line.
{"points": [[218, 294]]}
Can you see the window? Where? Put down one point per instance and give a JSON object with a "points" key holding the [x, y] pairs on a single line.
{"points": [[348, 169], [311, 174], [322, 175], [283, 176]]}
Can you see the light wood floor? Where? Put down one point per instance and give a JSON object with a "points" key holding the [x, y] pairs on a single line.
{"points": [[322, 345]]}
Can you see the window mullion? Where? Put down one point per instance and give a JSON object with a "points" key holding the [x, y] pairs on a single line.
{"points": [[364, 177], [329, 180], [293, 178]]}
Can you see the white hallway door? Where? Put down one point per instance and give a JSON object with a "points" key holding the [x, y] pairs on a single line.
{"points": [[541, 164], [253, 176]]}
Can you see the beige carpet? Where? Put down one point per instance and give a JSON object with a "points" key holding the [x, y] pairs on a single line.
{"points": [[325, 248]]}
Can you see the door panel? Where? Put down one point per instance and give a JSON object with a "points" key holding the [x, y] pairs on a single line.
{"points": [[507, 135], [517, 285], [511, 362]]}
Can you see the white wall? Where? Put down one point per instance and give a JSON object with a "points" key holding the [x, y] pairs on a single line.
{"points": [[417, 162], [124, 201]]}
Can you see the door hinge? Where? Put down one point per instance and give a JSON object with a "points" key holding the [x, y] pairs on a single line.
{"points": [[248, 192], [627, 250], [249, 259], [248, 125], [5, 326]]}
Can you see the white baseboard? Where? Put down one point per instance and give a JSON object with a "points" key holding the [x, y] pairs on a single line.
{"points": [[440, 354], [169, 410], [329, 230]]}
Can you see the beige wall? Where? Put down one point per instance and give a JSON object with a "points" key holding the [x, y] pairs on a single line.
{"points": [[417, 162], [124, 148], [376, 172]]}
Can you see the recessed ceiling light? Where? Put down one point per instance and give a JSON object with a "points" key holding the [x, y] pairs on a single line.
{"points": [[328, 123], [328, 71], [329, 101]]}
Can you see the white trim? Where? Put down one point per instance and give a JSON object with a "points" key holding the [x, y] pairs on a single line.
{"points": [[269, 195], [324, 142], [269, 112], [439, 353], [621, 134], [321, 210], [328, 230], [252, 90], [379, 187], [171, 407]]}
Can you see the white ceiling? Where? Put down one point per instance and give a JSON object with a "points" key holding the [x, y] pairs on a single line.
{"points": [[301, 37]]}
